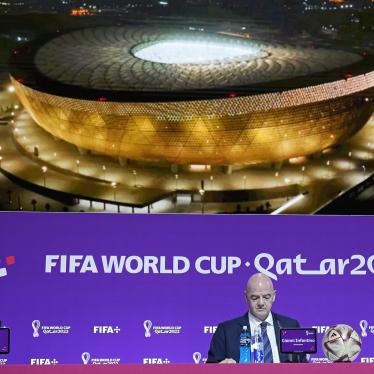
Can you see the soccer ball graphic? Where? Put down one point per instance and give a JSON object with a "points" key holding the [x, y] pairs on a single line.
{"points": [[341, 343]]}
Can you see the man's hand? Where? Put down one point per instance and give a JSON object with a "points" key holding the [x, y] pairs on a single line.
{"points": [[228, 361]]}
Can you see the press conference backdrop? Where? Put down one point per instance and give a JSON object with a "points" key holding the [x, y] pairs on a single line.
{"points": [[109, 289]]}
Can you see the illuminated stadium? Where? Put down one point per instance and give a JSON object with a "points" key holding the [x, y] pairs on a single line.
{"points": [[153, 119], [184, 98]]}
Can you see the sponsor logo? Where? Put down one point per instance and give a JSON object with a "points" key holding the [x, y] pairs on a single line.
{"points": [[9, 260], [87, 359], [106, 330], [364, 325], [43, 361], [3, 361], [35, 326], [198, 358], [50, 329], [155, 361], [160, 329], [210, 329], [367, 360], [321, 329]]}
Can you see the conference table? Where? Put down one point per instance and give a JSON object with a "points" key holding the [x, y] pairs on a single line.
{"points": [[340, 368]]}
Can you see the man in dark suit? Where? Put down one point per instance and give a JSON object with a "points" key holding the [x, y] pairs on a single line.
{"points": [[260, 295]]}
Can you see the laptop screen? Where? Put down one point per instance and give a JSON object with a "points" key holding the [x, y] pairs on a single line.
{"points": [[298, 340], [4, 340]]}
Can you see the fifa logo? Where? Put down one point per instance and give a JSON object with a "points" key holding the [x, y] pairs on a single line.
{"points": [[36, 326], [9, 260], [321, 329], [210, 329], [43, 361], [155, 361], [106, 330], [367, 360], [147, 328]]}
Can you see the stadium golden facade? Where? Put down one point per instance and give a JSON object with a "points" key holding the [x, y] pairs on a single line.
{"points": [[246, 129], [223, 131]]}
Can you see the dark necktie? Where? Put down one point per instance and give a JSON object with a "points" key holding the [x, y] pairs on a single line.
{"points": [[268, 355]]}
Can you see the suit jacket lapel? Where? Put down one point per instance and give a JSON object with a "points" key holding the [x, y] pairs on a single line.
{"points": [[283, 357], [245, 322], [277, 327]]}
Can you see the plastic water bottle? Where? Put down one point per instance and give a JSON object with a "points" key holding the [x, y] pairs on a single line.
{"points": [[257, 346], [245, 346]]}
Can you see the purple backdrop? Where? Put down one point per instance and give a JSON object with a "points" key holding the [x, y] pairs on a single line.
{"points": [[323, 273]]}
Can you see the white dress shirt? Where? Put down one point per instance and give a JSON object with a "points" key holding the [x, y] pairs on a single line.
{"points": [[255, 323]]}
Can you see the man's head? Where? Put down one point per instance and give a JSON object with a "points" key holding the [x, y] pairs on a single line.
{"points": [[260, 295]]}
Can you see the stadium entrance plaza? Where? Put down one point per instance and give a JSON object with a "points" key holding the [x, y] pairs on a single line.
{"points": [[101, 183]]}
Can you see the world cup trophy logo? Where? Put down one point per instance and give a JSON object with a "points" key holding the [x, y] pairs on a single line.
{"points": [[86, 358], [196, 357], [364, 325], [35, 325], [147, 327]]}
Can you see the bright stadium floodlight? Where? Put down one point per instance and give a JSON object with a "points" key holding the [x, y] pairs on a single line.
{"points": [[195, 52]]}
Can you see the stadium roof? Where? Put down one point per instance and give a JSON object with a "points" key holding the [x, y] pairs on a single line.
{"points": [[146, 64]]}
